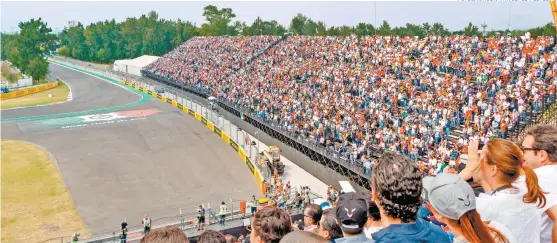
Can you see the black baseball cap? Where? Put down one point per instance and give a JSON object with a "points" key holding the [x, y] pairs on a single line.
{"points": [[351, 210]]}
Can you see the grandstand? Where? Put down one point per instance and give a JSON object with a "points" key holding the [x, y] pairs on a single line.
{"points": [[355, 97]]}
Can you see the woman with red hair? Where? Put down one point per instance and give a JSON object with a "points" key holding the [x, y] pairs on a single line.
{"points": [[495, 168]]}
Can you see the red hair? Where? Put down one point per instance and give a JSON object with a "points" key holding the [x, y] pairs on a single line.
{"points": [[508, 158]]}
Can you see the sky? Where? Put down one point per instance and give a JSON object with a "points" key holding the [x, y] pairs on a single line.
{"points": [[453, 15]]}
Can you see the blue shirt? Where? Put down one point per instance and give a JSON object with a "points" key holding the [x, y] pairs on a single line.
{"points": [[418, 231]]}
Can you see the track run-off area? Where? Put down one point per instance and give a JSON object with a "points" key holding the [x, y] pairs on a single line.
{"points": [[123, 154]]}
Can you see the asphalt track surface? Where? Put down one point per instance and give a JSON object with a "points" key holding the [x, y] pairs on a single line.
{"points": [[158, 165], [89, 93]]}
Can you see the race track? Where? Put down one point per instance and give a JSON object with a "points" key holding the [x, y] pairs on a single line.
{"points": [[148, 157]]}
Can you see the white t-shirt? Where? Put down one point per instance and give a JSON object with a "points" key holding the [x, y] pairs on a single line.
{"points": [[547, 179], [507, 208]]}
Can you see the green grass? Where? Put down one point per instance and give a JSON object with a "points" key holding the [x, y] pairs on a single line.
{"points": [[60, 94], [36, 205]]}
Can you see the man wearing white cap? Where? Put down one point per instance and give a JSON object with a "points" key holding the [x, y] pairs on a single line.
{"points": [[453, 203]]}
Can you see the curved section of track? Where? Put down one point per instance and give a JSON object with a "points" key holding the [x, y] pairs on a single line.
{"points": [[89, 93], [150, 158]]}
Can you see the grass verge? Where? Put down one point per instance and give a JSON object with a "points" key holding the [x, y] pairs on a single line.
{"points": [[41, 98], [36, 206]]}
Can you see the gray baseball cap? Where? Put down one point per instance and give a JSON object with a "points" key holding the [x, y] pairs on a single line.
{"points": [[450, 195]]}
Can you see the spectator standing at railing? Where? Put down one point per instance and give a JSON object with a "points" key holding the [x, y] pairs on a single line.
{"points": [[222, 213], [254, 204], [146, 222], [200, 218], [124, 232]]}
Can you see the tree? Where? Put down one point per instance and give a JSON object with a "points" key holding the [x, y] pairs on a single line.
{"points": [[471, 30], [439, 29], [297, 24], [63, 51], [364, 29], [426, 28], [384, 29], [37, 69], [218, 20], [34, 43]]}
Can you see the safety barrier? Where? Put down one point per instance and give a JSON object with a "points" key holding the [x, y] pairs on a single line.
{"points": [[32, 90], [241, 152]]}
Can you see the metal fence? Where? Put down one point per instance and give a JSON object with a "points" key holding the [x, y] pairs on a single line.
{"points": [[545, 112]]}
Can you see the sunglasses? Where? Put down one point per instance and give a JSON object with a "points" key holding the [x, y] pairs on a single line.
{"points": [[526, 149]]}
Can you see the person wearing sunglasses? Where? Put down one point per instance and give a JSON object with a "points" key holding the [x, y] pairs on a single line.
{"points": [[312, 215], [539, 148]]}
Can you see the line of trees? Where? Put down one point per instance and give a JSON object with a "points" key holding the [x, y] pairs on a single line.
{"points": [[106, 41]]}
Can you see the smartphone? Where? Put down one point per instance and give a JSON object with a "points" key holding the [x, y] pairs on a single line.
{"points": [[480, 146]]}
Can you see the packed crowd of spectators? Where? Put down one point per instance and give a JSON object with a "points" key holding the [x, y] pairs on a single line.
{"points": [[519, 202], [351, 94], [202, 61]]}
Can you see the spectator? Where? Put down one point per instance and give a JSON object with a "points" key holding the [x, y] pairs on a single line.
{"points": [[124, 232], [354, 95], [453, 203], [269, 225], [146, 222], [200, 218], [211, 236], [500, 164], [254, 203], [222, 213], [312, 215], [75, 238], [302, 236], [351, 214], [170, 234], [373, 223], [328, 226], [332, 194], [540, 152], [396, 185], [230, 239]]}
